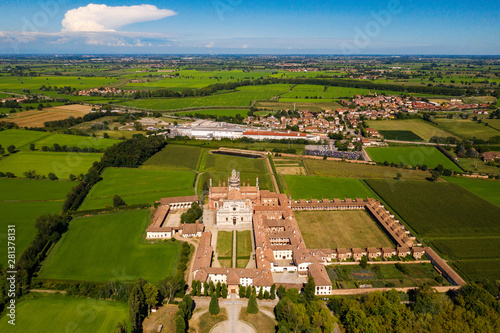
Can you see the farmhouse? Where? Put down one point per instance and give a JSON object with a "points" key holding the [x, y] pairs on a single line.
{"points": [[491, 156]]}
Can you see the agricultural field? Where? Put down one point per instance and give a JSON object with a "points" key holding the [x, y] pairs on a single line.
{"points": [[381, 276], [439, 209], [479, 269], [174, 157], [136, 186], [225, 247], [340, 229], [412, 156], [318, 167], [400, 135], [110, 246], [17, 84], [477, 166], [43, 163], [421, 128], [215, 113], [317, 92], [58, 313], [220, 166], [20, 138], [74, 141], [22, 201], [36, 118], [467, 128], [486, 189], [243, 248], [237, 98], [311, 187], [459, 224]]}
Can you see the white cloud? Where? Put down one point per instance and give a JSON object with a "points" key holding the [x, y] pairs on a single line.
{"points": [[106, 18], [210, 45], [245, 46]]}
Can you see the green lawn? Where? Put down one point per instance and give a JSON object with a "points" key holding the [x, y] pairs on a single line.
{"points": [[33, 190], [225, 245], [174, 157], [340, 229], [411, 156], [110, 246], [138, 186], [243, 248], [400, 135], [486, 189], [219, 167], [59, 313], [421, 128], [312, 187], [43, 163], [467, 128]]}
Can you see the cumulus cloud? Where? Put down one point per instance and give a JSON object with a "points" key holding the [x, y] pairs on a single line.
{"points": [[95, 17], [210, 45]]}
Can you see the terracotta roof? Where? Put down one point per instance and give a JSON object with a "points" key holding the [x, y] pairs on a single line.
{"points": [[318, 272], [172, 200]]}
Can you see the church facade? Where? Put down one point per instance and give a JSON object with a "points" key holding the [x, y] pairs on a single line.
{"points": [[233, 202]]}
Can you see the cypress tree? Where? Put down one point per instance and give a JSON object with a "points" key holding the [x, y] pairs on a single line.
{"points": [[214, 308], [252, 306]]}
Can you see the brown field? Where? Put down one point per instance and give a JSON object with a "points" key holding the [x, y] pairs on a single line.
{"points": [[164, 316], [340, 229], [291, 170], [261, 322], [36, 118]]}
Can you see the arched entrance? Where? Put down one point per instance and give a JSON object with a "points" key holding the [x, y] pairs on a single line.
{"points": [[234, 220]]}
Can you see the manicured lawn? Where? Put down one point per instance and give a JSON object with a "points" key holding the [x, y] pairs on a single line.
{"points": [[311, 187], [412, 156], [110, 246], [225, 244], [421, 128], [243, 248], [261, 322], [340, 229], [138, 186], [59, 313], [174, 157], [486, 189], [207, 321], [355, 170], [43, 163], [219, 167], [467, 128]]}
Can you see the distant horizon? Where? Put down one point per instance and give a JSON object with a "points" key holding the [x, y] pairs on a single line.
{"points": [[284, 27], [254, 54]]}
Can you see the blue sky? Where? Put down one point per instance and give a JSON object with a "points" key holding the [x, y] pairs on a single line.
{"points": [[251, 27]]}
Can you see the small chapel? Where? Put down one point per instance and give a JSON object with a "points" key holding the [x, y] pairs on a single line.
{"points": [[234, 201]]}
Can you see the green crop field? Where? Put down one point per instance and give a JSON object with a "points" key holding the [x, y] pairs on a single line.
{"points": [[467, 128], [110, 246], [219, 167], [138, 186], [225, 246], [174, 157], [439, 209], [468, 248], [355, 170], [74, 141], [22, 201], [400, 135], [20, 138], [215, 113], [479, 269], [310, 187], [43, 163], [340, 229], [486, 189], [412, 156], [17, 84], [60, 313], [460, 225], [317, 92], [421, 128]]}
